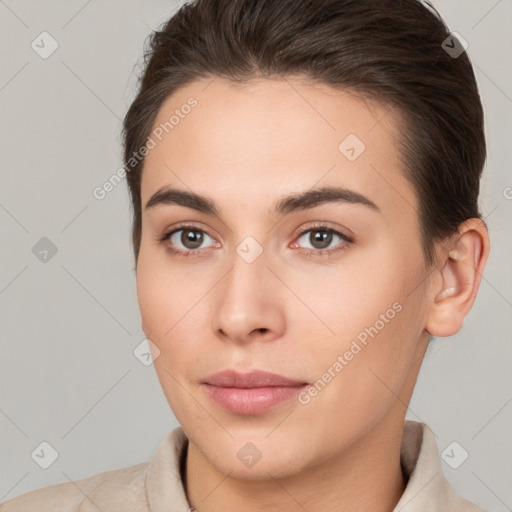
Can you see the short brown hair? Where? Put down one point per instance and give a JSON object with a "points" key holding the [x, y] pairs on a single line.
{"points": [[384, 50]]}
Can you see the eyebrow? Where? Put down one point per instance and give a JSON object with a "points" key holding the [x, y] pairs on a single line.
{"points": [[290, 203]]}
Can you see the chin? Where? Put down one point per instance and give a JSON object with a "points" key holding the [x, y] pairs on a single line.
{"points": [[254, 455], [274, 466]]}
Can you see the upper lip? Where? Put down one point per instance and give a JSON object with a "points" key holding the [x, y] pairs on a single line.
{"points": [[252, 379]]}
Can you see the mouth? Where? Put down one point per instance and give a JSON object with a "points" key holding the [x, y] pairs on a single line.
{"points": [[251, 393]]}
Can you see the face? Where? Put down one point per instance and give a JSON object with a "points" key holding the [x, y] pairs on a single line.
{"points": [[327, 289]]}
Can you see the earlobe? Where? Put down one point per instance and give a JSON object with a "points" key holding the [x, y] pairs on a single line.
{"points": [[461, 271]]}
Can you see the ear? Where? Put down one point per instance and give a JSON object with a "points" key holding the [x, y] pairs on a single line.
{"points": [[459, 275]]}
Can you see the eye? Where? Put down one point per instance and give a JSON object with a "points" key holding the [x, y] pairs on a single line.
{"points": [[321, 237], [185, 240], [188, 240]]}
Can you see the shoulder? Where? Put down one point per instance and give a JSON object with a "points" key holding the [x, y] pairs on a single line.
{"points": [[460, 504], [109, 491]]}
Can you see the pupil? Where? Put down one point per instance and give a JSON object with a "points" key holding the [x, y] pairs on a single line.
{"points": [[324, 241], [193, 237]]}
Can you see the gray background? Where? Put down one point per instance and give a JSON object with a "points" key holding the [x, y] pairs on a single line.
{"points": [[68, 374]]}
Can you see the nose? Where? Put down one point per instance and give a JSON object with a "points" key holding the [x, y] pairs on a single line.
{"points": [[249, 303]]}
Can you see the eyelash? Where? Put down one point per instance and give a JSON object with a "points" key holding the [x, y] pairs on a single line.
{"points": [[310, 253]]}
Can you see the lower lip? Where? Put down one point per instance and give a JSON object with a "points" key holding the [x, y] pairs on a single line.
{"points": [[252, 400]]}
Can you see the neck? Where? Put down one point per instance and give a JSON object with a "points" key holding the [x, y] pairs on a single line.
{"points": [[365, 476]]}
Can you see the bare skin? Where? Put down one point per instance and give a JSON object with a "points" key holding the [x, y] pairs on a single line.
{"points": [[295, 308]]}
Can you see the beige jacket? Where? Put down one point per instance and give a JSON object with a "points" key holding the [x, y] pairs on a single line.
{"points": [[156, 486]]}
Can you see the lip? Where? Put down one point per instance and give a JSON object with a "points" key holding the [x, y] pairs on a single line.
{"points": [[252, 379], [251, 393]]}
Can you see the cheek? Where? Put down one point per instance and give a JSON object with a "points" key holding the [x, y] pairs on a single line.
{"points": [[375, 321], [173, 313], [358, 382], [162, 294], [168, 320]]}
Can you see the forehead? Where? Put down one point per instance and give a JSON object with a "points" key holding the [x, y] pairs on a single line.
{"points": [[267, 138]]}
